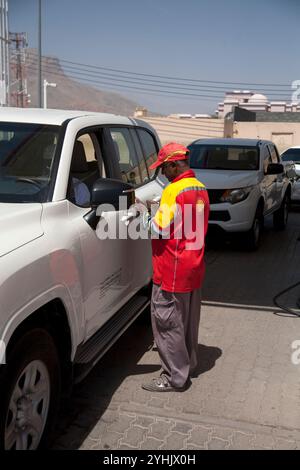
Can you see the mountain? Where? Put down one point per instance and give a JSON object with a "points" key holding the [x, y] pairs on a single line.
{"points": [[70, 93]]}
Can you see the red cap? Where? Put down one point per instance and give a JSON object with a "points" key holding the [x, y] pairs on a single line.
{"points": [[170, 153]]}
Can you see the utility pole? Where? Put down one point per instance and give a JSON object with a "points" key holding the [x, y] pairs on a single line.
{"points": [[18, 82], [20, 96], [46, 84], [39, 54], [4, 54]]}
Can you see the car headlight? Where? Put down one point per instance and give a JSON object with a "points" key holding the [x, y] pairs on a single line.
{"points": [[235, 195]]}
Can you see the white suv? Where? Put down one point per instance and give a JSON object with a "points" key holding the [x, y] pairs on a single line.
{"points": [[246, 181], [292, 156], [65, 294]]}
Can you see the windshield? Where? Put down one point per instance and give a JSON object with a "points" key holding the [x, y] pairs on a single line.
{"points": [[26, 160], [291, 155], [223, 157]]}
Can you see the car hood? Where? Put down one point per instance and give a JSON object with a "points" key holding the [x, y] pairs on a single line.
{"points": [[227, 179], [19, 224]]}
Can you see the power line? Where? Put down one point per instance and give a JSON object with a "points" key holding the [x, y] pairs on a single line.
{"points": [[168, 77], [167, 92], [101, 82], [69, 67], [112, 77], [112, 88], [156, 83]]}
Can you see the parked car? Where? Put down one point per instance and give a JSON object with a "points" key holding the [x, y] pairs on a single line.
{"points": [[246, 181], [292, 154], [65, 294]]}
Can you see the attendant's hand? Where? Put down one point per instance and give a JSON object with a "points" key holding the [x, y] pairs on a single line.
{"points": [[148, 203]]}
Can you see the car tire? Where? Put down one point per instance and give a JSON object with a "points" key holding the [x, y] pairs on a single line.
{"points": [[280, 217], [29, 392], [253, 236]]}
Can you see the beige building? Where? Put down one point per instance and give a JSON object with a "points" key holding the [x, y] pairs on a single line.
{"points": [[251, 101], [282, 128], [185, 129]]}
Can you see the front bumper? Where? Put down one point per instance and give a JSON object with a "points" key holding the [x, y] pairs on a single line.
{"points": [[234, 217]]}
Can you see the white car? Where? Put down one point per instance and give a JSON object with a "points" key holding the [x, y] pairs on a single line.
{"points": [[246, 181], [292, 154], [65, 294]]}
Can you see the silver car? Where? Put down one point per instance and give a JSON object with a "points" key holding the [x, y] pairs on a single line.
{"points": [[246, 181]]}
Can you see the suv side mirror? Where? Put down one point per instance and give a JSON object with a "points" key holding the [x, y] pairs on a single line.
{"points": [[108, 191], [275, 169]]}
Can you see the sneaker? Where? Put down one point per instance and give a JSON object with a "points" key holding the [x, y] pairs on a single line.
{"points": [[161, 384], [193, 374]]}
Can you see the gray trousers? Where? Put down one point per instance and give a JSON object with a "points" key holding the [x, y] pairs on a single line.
{"points": [[175, 323]]}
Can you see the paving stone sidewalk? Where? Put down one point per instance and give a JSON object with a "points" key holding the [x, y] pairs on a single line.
{"points": [[247, 394], [129, 430]]}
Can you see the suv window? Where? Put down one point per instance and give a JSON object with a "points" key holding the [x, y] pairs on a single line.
{"points": [[274, 154], [292, 154], [149, 148], [267, 159], [27, 154], [86, 168], [126, 155], [140, 156], [223, 157]]}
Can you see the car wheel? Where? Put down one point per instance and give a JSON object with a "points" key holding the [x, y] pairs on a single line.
{"points": [[29, 392], [280, 217], [253, 236]]}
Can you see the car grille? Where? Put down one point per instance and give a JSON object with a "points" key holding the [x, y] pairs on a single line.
{"points": [[215, 195]]}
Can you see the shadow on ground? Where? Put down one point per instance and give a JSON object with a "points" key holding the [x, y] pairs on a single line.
{"points": [[92, 397], [207, 357]]}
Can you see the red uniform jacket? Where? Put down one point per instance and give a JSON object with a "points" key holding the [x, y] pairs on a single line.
{"points": [[180, 226]]}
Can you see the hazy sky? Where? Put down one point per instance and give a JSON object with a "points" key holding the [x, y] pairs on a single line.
{"points": [[223, 41]]}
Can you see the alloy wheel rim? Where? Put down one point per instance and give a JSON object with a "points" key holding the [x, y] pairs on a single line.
{"points": [[28, 408]]}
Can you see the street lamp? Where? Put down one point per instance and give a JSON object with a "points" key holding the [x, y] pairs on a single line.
{"points": [[46, 84]]}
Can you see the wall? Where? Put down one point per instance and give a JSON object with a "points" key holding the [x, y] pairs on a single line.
{"points": [[283, 134], [186, 130]]}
